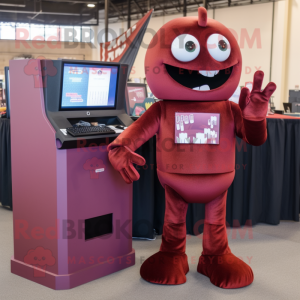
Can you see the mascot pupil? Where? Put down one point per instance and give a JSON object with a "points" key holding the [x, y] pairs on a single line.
{"points": [[199, 63]]}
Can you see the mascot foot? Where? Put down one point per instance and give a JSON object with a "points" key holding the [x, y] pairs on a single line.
{"points": [[225, 271], [165, 268]]}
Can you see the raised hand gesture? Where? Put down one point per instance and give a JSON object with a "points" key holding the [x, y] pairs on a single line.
{"points": [[254, 105]]}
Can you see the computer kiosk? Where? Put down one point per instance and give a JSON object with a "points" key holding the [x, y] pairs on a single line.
{"points": [[72, 211]]}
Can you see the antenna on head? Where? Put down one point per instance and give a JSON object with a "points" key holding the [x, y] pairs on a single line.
{"points": [[202, 16]]}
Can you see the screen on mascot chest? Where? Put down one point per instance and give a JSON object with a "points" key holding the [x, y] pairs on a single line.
{"points": [[197, 128], [88, 86]]}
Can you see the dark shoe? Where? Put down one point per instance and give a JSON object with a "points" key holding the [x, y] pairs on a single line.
{"points": [[165, 268], [225, 271]]}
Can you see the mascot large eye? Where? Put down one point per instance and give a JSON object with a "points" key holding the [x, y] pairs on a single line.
{"points": [[218, 47], [185, 47]]}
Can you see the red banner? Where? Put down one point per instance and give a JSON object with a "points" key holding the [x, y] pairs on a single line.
{"points": [[115, 50]]}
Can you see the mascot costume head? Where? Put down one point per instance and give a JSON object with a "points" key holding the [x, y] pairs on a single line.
{"points": [[199, 54], [194, 65]]}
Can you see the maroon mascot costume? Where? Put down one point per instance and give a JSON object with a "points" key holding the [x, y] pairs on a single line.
{"points": [[194, 65]]}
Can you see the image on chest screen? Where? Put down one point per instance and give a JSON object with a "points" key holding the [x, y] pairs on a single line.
{"points": [[197, 128]]}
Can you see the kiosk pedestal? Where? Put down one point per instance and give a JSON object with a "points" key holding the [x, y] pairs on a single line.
{"points": [[72, 211]]}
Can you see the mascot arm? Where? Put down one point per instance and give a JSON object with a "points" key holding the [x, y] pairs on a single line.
{"points": [[250, 116], [121, 150], [141, 130]]}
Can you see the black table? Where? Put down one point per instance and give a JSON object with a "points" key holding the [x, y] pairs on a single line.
{"points": [[266, 188], [5, 163]]}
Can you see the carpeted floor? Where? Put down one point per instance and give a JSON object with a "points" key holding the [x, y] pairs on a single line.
{"points": [[273, 253]]}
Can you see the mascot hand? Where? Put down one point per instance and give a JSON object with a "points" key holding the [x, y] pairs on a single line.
{"points": [[122, 158], [254, 105]]}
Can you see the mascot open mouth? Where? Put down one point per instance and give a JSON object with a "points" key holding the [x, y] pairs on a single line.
{"points": [[201, 80]]}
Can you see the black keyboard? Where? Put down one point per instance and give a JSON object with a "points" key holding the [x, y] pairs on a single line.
{"points": [[89, 130]]}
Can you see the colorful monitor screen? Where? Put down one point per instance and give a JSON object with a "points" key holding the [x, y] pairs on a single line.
{"points": [[137, 94], [88, 86]]}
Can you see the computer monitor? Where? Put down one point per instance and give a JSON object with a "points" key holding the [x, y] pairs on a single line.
{"points": [[287, 107], [135, 98], [7, 91], [89, 86]]}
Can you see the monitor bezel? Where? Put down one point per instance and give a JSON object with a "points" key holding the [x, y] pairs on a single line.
{"points": [[134, 84], [87, 108]]}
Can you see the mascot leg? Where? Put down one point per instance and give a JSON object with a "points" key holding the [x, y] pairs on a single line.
{"points": [[170, 264], [217, 262]]}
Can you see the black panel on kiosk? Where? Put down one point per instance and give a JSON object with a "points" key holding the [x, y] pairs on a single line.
{"points": [[7, 92], [73, 91]]}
